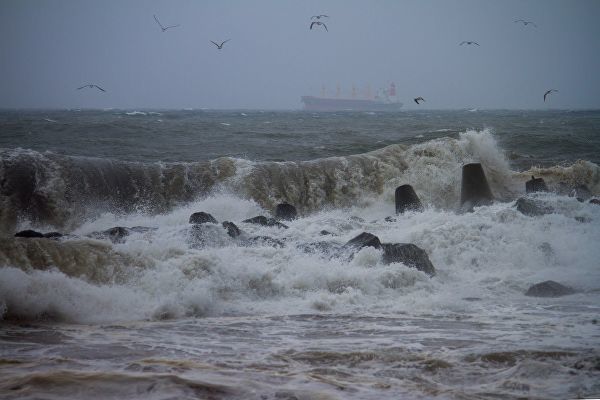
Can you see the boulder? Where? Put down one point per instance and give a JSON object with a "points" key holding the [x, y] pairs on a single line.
{"points": [[264, 221], [409, 254], [202, 218], [475, 190], [407, 199], [549, 289], [285, 211], [29, 234], [532, 208], [324, 233], [595, 201], [232, 229], [365, 239], [535, 185]]}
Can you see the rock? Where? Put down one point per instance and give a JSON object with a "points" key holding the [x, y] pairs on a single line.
{"points": [[29, 234], [595, 201], [407, 199], [535, 185], [285, 211], [232, 229], [202, 218], [549, 289], [583, 220], [324, 233], [53, 235], [475, 190], [265, 241], [264, 221], [532, 207], [389, 219], [408, 254], [365, 239]]}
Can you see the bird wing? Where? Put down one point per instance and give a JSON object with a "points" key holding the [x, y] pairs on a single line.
{"points": [[463, 42], [520, 20], [99, 88], [325, 26], [158, 22], [476, 43], [214, 43], [326, 16], [172, 26], [84, 86], [546, 94], [225, 42], [315, 16], [311, 24]]}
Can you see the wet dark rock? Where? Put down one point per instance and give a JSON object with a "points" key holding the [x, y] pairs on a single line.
{"points": [[28, 233], [595, 201], [232, 229], [475, 190], [390, 219], [285, 211], [365, 239], [264, 221], [532, 208], [407, 199], [535, 185], [408, 254], [549, 289], [265, 241], [53, 235], [324, 233], [202, 218], [117, 234], [583, 220]]}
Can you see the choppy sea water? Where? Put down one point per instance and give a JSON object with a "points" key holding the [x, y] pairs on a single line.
{"points": [[160, 314]]}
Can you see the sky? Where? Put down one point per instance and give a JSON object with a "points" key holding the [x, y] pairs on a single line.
{"points": [[50, 48]]}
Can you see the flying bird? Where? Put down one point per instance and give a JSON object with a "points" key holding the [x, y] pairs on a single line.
{"points": [[419, 99], [220, 46], [525, 23], [319, 16], [548, 92], [469, 43], [164, 28], [91, 87], [318, 23]]}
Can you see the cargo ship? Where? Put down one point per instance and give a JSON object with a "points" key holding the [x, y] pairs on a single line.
{"points": [[384, 100]]}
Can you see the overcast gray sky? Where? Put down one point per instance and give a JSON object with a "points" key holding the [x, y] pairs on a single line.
{"points": [[49, 48]]}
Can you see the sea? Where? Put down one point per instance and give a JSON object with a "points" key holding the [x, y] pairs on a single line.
{"points": [[165, 309]]}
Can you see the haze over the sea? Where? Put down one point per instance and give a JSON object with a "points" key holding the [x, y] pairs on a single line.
{"points": [[50, 48]]}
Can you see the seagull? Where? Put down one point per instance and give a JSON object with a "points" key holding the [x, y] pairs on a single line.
{"points": [[91, 87], [548, 92], [318, 23], [526, 22], [220, 46], [164, 28], [419, 99], [319, 16], [464, 41]]}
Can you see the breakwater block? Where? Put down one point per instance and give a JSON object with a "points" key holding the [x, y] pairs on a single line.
{"points": [[407, 199], [475, 190], [535, 185], [286, 212]]}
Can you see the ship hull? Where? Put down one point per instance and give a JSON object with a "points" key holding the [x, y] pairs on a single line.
{"points": [[312, 103]]}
